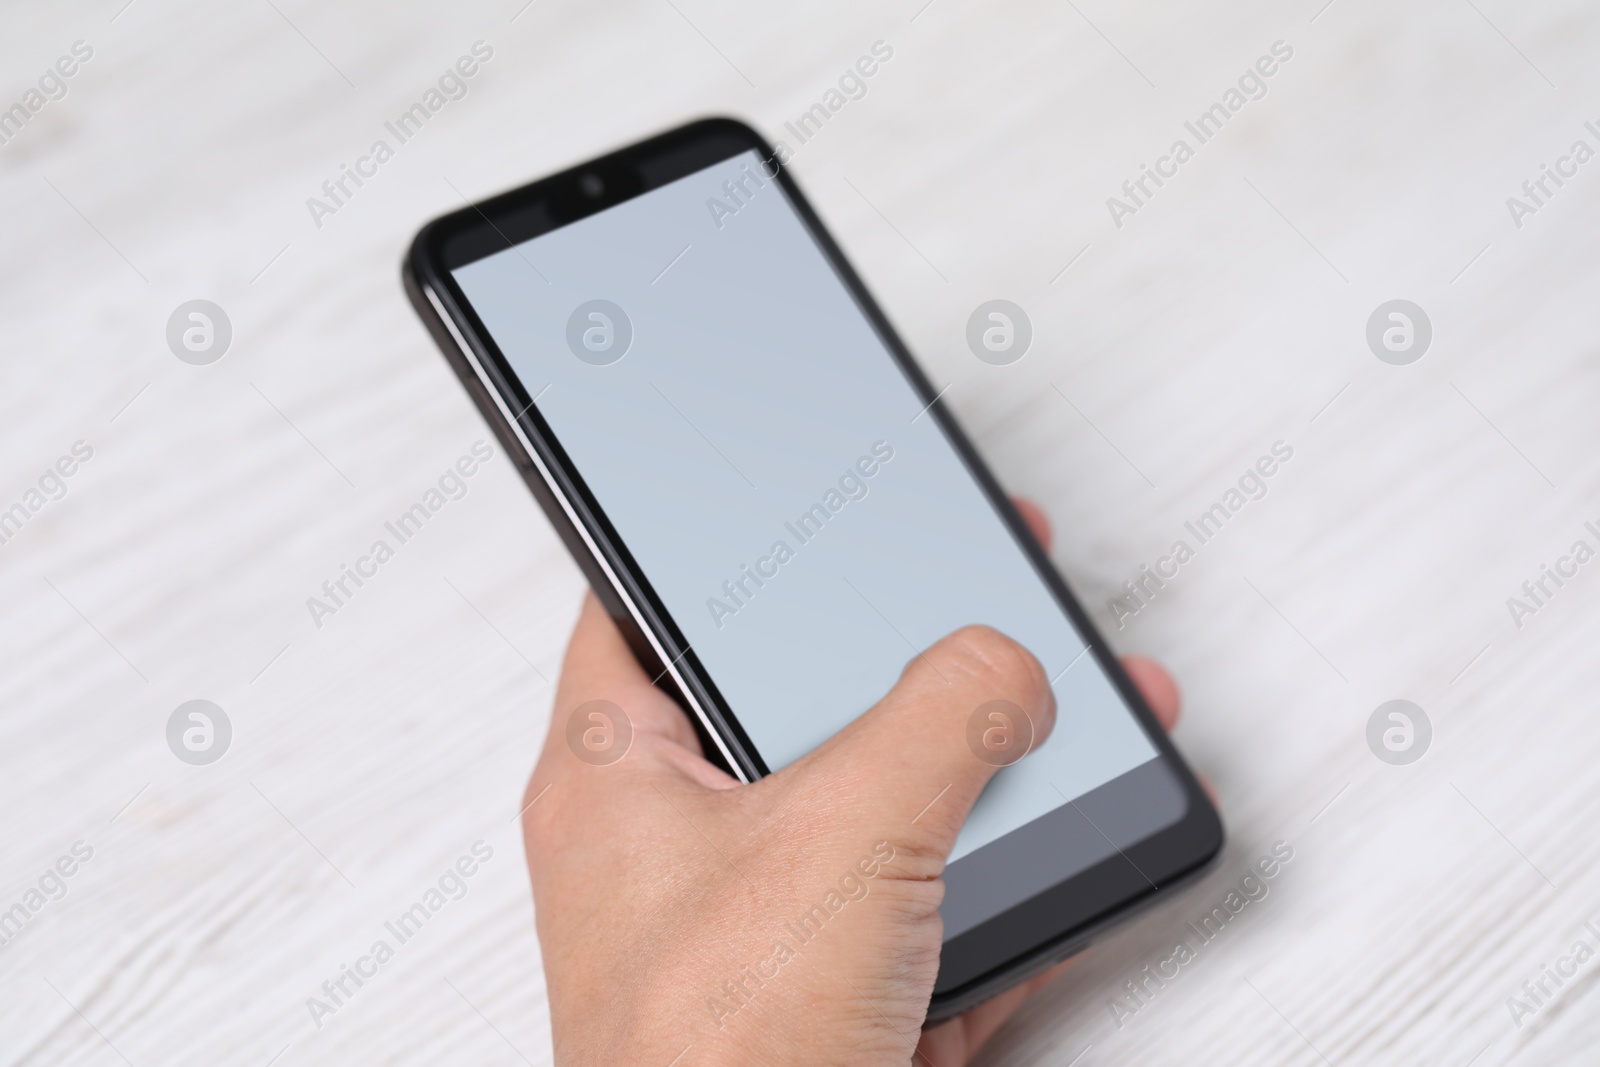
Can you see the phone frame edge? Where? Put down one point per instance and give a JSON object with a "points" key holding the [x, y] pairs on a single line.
{"points": [[622, 602]]}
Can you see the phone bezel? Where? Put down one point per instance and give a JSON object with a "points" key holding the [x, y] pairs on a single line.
{"points": [[999, 952]]}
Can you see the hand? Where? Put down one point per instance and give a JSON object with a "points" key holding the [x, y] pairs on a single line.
{"points": [[687, 919]]}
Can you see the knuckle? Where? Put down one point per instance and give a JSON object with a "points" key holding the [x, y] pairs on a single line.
{"points": [[921, 857], [992, 660]]}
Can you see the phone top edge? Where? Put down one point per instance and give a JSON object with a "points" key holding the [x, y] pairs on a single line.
{"points": [[520, 214]]}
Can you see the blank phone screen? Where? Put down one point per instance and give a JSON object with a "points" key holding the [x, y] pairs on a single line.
{"points": [[784, 490]]}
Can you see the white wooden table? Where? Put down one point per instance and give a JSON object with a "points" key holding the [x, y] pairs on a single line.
{"points": [[1227, 313]]}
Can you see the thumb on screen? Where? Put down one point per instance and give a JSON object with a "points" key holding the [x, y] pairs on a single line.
{"points": [[909, 770]]}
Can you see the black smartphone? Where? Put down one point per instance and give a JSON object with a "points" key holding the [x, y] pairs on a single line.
{"points": [[779, 512]]}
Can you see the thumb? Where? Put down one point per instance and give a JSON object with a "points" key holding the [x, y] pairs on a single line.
{"points": [[910, 769]]}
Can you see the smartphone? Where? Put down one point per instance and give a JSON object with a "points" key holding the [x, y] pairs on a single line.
{"points": [[779, 512]]}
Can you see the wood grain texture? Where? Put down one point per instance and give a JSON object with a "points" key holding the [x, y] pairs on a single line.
{"points": [[1227, 314]]}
